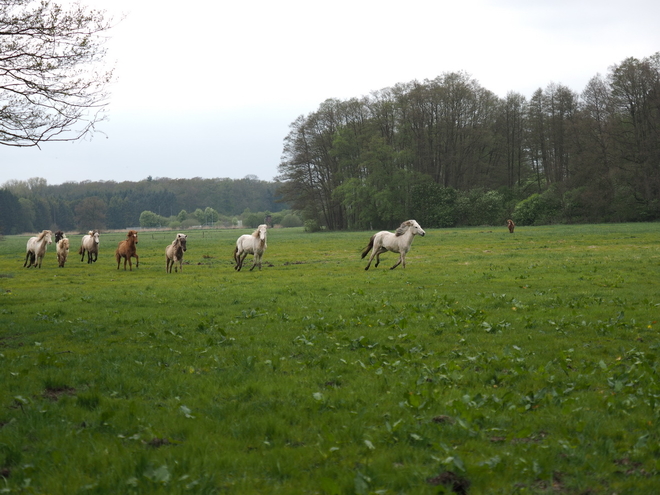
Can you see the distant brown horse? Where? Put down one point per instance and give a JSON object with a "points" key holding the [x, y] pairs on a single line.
{"points": [[126, 249], [511, 225]]}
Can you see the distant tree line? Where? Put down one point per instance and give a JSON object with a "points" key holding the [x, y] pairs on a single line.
{"points": [[449, 152], [33, 205]]}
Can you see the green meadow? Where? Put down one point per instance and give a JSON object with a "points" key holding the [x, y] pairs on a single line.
{"points": [[493, 363]]}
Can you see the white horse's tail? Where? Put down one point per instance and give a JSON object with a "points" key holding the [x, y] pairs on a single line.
{"points": [[369, 246]]}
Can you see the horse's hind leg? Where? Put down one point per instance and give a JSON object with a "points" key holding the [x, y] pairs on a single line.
{"points": [[380, 251]]}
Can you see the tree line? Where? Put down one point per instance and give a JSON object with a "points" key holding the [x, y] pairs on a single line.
{"points": [[449, 152], [34, 205]]}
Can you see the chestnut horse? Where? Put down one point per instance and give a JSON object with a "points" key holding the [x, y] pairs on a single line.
{"points": [[126, 249], [511, 225]]}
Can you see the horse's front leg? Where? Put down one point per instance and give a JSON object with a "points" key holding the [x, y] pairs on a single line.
{"points": [[256, 261], [242, 258], [137, 260], [402, 259]]}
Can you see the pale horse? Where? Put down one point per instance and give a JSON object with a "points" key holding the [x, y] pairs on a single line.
{"points": [[254, 244], [174, 252], [36, 248], [62, 247], [399, 242], [90, 244]]}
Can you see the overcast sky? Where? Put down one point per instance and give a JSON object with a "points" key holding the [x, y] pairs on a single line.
{"points": [[208, 89]]}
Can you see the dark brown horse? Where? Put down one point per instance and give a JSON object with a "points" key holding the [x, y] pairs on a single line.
{"points": [[511, 225], [126, 249]]}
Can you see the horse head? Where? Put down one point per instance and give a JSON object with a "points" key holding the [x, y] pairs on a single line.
{"points": [[416, 228], [411, 225], [95, 235], [58, 235], [182, 239], [133, 234], [48, 235]]}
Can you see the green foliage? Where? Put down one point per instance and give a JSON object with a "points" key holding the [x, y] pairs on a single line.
{"points": [[291, 220], [539, 209], [148, 219]]}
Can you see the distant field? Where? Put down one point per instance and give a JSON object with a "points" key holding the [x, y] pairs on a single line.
{"points": [[494, 363]]}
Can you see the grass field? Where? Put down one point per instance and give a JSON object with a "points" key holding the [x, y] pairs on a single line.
{"points": [[494, 363]]}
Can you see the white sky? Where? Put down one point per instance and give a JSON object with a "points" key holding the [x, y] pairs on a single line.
{"points": [[208, 89]]}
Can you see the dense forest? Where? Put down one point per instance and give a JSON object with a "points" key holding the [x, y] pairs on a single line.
{"points": [[446, 152], [33, 205], [449, 152]]}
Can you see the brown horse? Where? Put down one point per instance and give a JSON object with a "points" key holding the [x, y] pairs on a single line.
{"points": [[126, 249], [511, 225]]}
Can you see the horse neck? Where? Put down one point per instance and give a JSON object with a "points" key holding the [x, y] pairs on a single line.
{"points": [[407, 237]]}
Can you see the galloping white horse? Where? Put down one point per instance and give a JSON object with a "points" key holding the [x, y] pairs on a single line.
{"points": [[254, 243], [36, 248], [174, 252], [90, 243], [398, 242]]}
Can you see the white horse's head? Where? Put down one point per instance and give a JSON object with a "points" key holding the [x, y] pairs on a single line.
{"points": [[48, 236], [96, 237], [416, 228], [412, 226], [262, 229]]}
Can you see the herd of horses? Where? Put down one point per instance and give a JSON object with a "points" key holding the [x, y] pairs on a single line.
{"points": [[254, 244]]}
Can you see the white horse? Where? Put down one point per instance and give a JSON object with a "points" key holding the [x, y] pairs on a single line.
{"points": [[254, 243], [90, 244], [399, 242], [62, 250], [174, 252], [36, 248]]}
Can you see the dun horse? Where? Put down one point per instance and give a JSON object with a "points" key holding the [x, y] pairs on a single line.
{"points": [[36, 248], [62, 247], [511, 225], [126, 249], [90, 244], [399, 242], [254, 243], [174, 252]]}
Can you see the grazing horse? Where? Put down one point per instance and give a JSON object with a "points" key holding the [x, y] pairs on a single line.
{"points": [[511, 225], [62, 249], [126, 249], [174, 252], [36, 248], [399, 242], [254, 243], [90, 244]]}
